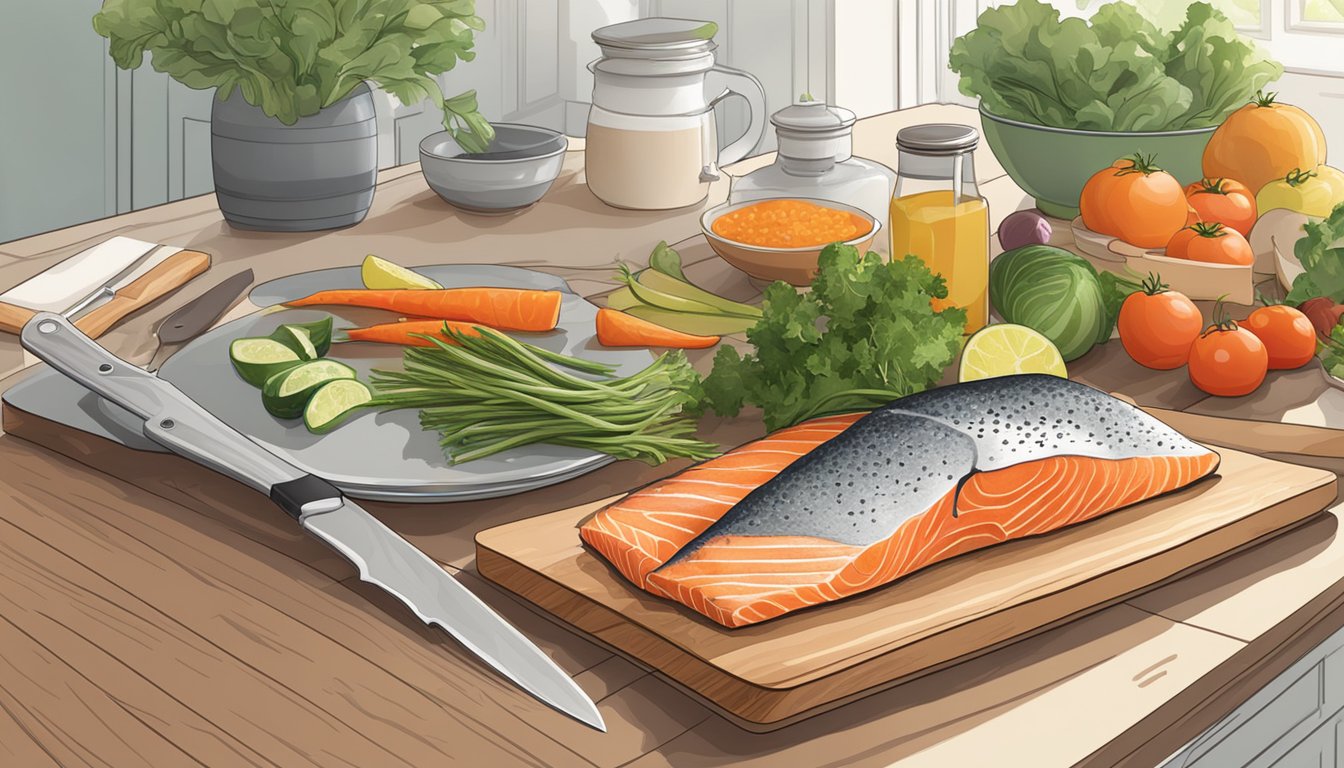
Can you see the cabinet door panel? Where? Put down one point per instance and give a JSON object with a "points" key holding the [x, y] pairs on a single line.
{"points": [[57, 135]]}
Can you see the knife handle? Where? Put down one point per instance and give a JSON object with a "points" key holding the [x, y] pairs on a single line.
{"points": [[168, 275], [172, 419], [12, 317]]}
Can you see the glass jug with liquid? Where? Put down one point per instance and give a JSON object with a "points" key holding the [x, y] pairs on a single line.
{"points": [[652, 142], [938, 215]]}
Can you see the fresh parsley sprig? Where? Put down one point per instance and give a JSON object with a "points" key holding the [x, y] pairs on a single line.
{"points": [[866, 334]]}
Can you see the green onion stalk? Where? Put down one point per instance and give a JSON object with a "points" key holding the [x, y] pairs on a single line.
{"points": [[489, 393]]}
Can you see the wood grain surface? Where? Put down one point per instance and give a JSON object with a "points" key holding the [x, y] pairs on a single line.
{"points": [[800, 664], [156, 614]]}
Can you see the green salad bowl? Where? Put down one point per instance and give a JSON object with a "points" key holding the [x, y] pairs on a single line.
{"points": [[1053, 164]]}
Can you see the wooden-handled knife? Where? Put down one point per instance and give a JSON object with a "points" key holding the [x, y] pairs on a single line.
{"points": [[163, 278], [64, 288]]}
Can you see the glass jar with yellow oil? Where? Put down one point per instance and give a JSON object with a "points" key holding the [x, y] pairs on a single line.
{"points": [[938, 215]]}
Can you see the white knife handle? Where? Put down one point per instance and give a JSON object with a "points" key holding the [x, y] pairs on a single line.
{"points": [[172, 419]]}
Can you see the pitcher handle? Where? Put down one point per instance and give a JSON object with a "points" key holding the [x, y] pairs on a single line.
{"points": [[746, 86]]}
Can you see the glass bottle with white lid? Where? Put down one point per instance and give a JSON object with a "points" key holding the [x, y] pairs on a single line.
{"points": [[816, 161]]}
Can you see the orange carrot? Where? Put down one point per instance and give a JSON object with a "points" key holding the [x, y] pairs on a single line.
{"points": [[403, 333], [513, 309], [618, 329]]}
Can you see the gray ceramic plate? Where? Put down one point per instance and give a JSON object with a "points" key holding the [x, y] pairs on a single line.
{"points": [[374, 455]]}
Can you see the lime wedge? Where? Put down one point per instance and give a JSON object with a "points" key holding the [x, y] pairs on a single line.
{"points": [[258, 359], [286, 393], [331, 403], [1006, 349], [296, 338], [381, 274]]}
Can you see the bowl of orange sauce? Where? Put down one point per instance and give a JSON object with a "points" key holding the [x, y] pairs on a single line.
{"points": [[781, 238]]}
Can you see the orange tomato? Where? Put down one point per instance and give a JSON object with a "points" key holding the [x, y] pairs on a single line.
{"points": [[1262, 142], [1191, 216], [1212, 244], [1227, 360], [1157, 326], [1135, 201], [1224, 201], [1288, 335]]}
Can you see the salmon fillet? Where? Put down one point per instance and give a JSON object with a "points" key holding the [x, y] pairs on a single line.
{"points": [[641, 531], [834, 507]]}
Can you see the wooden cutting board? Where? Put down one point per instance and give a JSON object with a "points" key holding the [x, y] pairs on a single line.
{"points": [[771, 674]]}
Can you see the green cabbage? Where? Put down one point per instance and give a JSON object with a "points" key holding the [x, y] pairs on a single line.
{"points": [[1054, 292], [1117, 73]]}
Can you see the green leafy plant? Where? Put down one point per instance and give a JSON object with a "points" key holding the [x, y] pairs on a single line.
{"points": [[866, 334], [1119, 72], [1321, 253], [291, 58]]}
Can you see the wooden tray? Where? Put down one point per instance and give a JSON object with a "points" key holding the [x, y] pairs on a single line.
{"points": [[1195, 279], [771, 674]]}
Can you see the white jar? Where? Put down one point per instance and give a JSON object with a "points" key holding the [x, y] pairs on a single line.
{"points": [[652, 142], [815, 160]]}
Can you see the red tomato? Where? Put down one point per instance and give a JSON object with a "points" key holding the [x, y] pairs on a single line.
{"points": [[1227, 360], [1225, 201], [1288, 335], [1212, 243], [1157, 326]]}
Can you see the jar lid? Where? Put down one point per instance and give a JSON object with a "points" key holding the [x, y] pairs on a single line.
{"points": [[938, 139], [657, 38], [812, 117]]}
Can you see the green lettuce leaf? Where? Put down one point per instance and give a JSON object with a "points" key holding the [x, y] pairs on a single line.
{"points": [[1321, 252], [1219, 67], [292, 58], [1118, 72]]}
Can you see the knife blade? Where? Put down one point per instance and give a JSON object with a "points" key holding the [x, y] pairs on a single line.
{"points": [[383, 558], [105, 291], [196, 316]]}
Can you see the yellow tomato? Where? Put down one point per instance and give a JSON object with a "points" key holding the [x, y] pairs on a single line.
{"points": [[1262, 142], [1315, 192]]}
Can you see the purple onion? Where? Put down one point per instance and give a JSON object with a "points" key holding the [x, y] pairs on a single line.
{"points": [[1024, 228]]}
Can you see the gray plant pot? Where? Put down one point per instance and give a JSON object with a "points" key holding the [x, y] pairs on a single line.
{"points": [[316, 174]]}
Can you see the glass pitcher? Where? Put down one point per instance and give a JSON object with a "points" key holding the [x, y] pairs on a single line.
{"points": [[938, 215], [652, 142]]}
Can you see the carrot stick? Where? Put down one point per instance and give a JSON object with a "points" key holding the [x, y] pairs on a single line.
{"points": [[513, 309], [618, 329], [403, 333]]}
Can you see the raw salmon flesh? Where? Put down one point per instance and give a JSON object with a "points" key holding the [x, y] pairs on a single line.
{"points": [[843, 504]]}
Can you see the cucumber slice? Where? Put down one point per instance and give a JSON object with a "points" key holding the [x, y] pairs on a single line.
{"points": [[286, 393], [332, 402], [319, 334], [296, 339], [256, 359]]}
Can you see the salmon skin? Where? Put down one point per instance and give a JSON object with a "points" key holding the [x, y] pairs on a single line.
{"points": [[837, 506]]}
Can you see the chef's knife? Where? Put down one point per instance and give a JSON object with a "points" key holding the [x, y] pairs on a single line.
{"points": [[196, 316], [383, 558]]}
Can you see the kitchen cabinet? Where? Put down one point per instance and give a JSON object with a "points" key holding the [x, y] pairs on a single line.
{"points": [[1293, 722]]}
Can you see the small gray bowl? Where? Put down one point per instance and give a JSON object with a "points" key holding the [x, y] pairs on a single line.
{"points": [[514, 172]]}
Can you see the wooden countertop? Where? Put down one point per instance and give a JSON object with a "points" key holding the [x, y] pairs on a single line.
{"points": [[153, 613]]}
